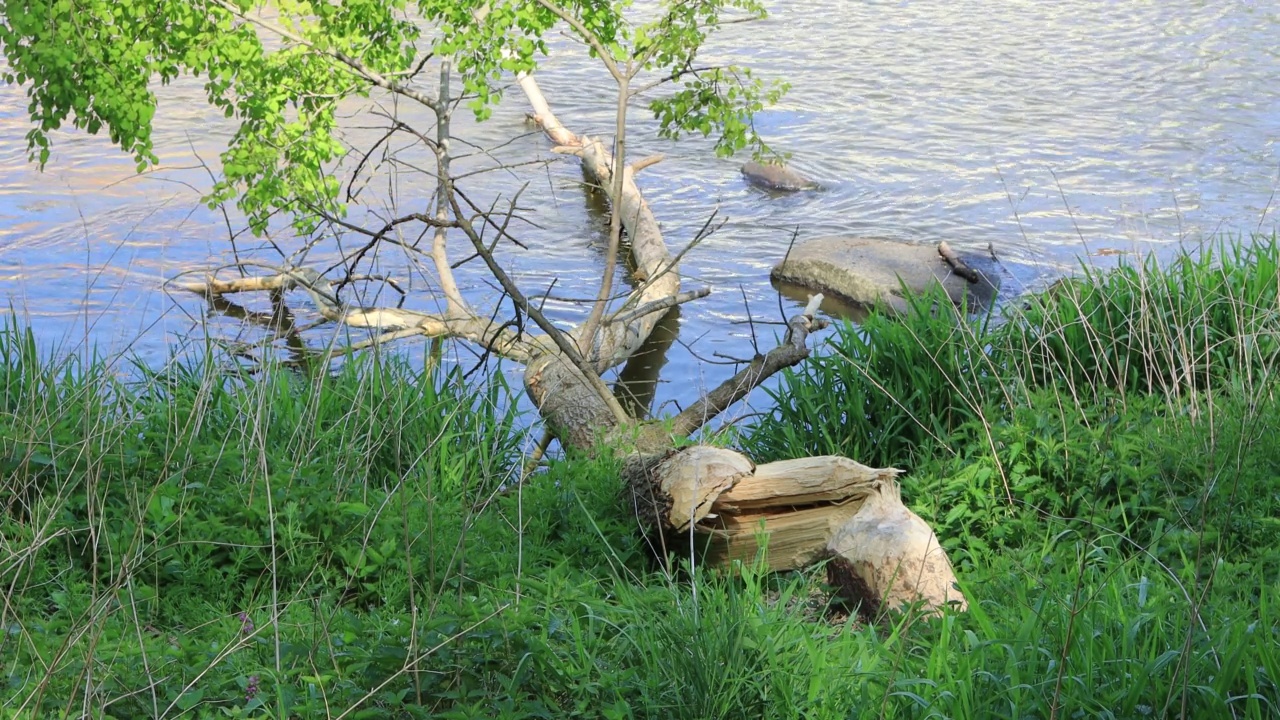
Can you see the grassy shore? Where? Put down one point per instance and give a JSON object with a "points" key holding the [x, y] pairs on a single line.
{"points": [[1101, 464]]}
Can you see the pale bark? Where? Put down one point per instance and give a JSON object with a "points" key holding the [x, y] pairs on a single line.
{"points": [[881, 555], [805, 481], [886, 557], [454, 303], [499, 339], [578, 418]]}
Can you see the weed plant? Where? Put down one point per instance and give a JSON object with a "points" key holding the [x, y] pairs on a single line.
{"points": [[882, 390], [204, 543], [1202, 320]]}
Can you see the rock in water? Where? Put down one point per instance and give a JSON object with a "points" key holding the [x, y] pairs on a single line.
{"points": [[869, 270], [777, 177]]}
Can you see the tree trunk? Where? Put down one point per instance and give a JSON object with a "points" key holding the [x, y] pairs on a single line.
{"points": [[882, 554], [577, 415]]}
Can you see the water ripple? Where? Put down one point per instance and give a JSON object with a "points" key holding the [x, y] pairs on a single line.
{"points": [[1045, 130]]}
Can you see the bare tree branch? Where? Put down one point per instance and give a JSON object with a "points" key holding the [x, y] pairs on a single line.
{"points": [[352, 259], [561, 339], [662, 304], [790, 352], [645, 162], [490, 334], [454, 303], [614, 343]]}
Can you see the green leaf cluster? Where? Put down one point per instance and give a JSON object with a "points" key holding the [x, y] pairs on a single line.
{"points": [[283, 69], [719, 100]]}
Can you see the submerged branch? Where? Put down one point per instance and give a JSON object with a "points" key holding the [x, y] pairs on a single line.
{"points": [[577, 417], [497, 337]]}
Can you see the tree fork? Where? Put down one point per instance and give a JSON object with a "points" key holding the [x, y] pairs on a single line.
{"points": [[881, 554]]}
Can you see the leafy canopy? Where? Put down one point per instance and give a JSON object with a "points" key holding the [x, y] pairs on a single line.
{"points": [[281, 68]]}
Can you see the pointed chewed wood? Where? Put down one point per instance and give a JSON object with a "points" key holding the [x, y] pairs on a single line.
{"points": [[887, 557], [694, 477], [806, 481]]}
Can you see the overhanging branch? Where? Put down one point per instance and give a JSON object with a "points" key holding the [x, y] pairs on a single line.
{"points": [[792, 351], [355, 65]]}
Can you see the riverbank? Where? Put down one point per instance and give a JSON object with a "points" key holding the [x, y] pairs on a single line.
{"points": [[1100, 466]]}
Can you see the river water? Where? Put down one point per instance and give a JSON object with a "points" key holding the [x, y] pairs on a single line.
{"points": [[1057, 132]]}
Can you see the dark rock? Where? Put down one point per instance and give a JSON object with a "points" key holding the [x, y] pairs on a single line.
{"points": [[869, 270], [777, 177]]}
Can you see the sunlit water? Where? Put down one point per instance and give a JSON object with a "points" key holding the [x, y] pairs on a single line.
{"points": [[1055, 132]]}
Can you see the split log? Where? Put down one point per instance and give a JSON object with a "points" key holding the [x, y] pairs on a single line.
{"points": [[679, 489], [802, 511]]}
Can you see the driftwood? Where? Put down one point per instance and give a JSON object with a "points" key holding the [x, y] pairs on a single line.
{"points": [[957, 264]]}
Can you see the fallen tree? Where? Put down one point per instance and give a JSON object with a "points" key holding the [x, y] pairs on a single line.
{"points": [[810, 509]]}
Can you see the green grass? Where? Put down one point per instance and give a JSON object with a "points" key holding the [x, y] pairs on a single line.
{"points": [[200, 541], [890, 390]]}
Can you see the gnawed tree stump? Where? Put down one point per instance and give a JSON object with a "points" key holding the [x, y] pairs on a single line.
{"points": [[678, 489], [803, 511], [886, 557]]}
